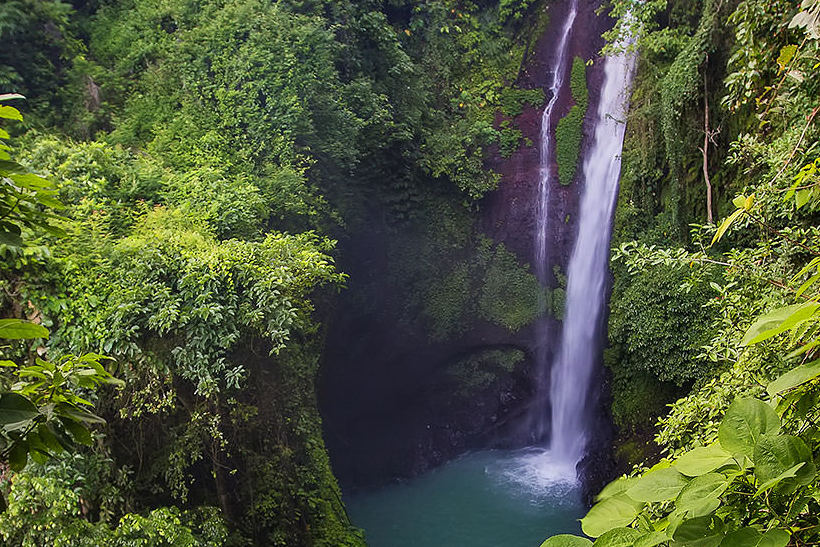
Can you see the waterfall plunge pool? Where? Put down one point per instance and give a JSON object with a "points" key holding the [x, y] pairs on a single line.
{"points": [[484, 499]]}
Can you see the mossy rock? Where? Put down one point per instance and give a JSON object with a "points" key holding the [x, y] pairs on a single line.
{"points": [[483, 368]]}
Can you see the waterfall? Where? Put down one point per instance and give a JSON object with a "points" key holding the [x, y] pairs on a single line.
{"points": [[546, 145], [539, 425], [583, 327]]}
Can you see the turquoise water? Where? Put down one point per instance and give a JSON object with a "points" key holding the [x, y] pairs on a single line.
{"points": [[492, 499]]}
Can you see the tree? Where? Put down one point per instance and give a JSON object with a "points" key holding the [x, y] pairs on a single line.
{"points": [[43, 412]]}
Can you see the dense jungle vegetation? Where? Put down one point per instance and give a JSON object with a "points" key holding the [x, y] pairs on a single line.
{"points": [[176, 175], [713, 326]]}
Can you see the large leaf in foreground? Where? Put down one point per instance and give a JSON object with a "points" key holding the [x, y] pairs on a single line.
{"points": [[566, 540], [795, 377], [614, 512], [619, 537], [750, 537], [700, 532], [778, 454], [702, 460], [745, 422], [18, 329], [778, 321], [16, 410], [660, 485]]}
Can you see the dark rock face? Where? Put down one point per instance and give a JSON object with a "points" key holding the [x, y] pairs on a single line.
{"points": [[509, 214], [390, 405]]}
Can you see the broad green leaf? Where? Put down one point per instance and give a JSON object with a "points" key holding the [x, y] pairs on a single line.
{"points": [[775, 538], [30, 181], [803, 349], [778, 321], [11, 167], [702, 495], [739, 201], [16, 410], [619, 537], [566, 540], [802, 197], [653, 539], [18, 455], [10, 238], [787, 474], [741, 538], [79, 432], [616, 487], [795, 377], [4, 134], [660, 485], [746, 420], [702, 460], [750, 537], [726, 224], [48, 438], [702, 507], [777, 454], [10, 113], [18, 329], [786, 55], [614, 512], [38, 455], [700, 532], [808, 284], [813, 263], [77, 414]]}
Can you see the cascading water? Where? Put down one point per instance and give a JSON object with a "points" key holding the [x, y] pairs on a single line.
{"points": [[588, 267], [539, 425], [546, 145], [518, 497]]}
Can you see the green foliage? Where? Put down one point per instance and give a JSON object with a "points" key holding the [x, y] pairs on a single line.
{"points": [[221, 142], [578, 83], [25, 198], [569, 132], [480, 370], [46, 510], [469, 57], [510, 294], [508, 139], [568, 135], [717, 489], [742, 441], [513, 99], [682, 83], [44, 414], [513, 9], [491, 284], [38, 44], [662, 326]]}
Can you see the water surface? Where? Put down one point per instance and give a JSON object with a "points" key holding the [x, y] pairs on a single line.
{"points": [[485, 499]]}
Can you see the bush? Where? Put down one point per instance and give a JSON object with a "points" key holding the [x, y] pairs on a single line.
{"points": [[568, 144]]}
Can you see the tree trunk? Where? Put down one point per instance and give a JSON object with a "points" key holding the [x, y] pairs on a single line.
{"points": [[705, 150]]}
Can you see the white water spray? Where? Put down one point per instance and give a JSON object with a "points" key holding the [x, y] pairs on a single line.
{"points": [[588, 267]]}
